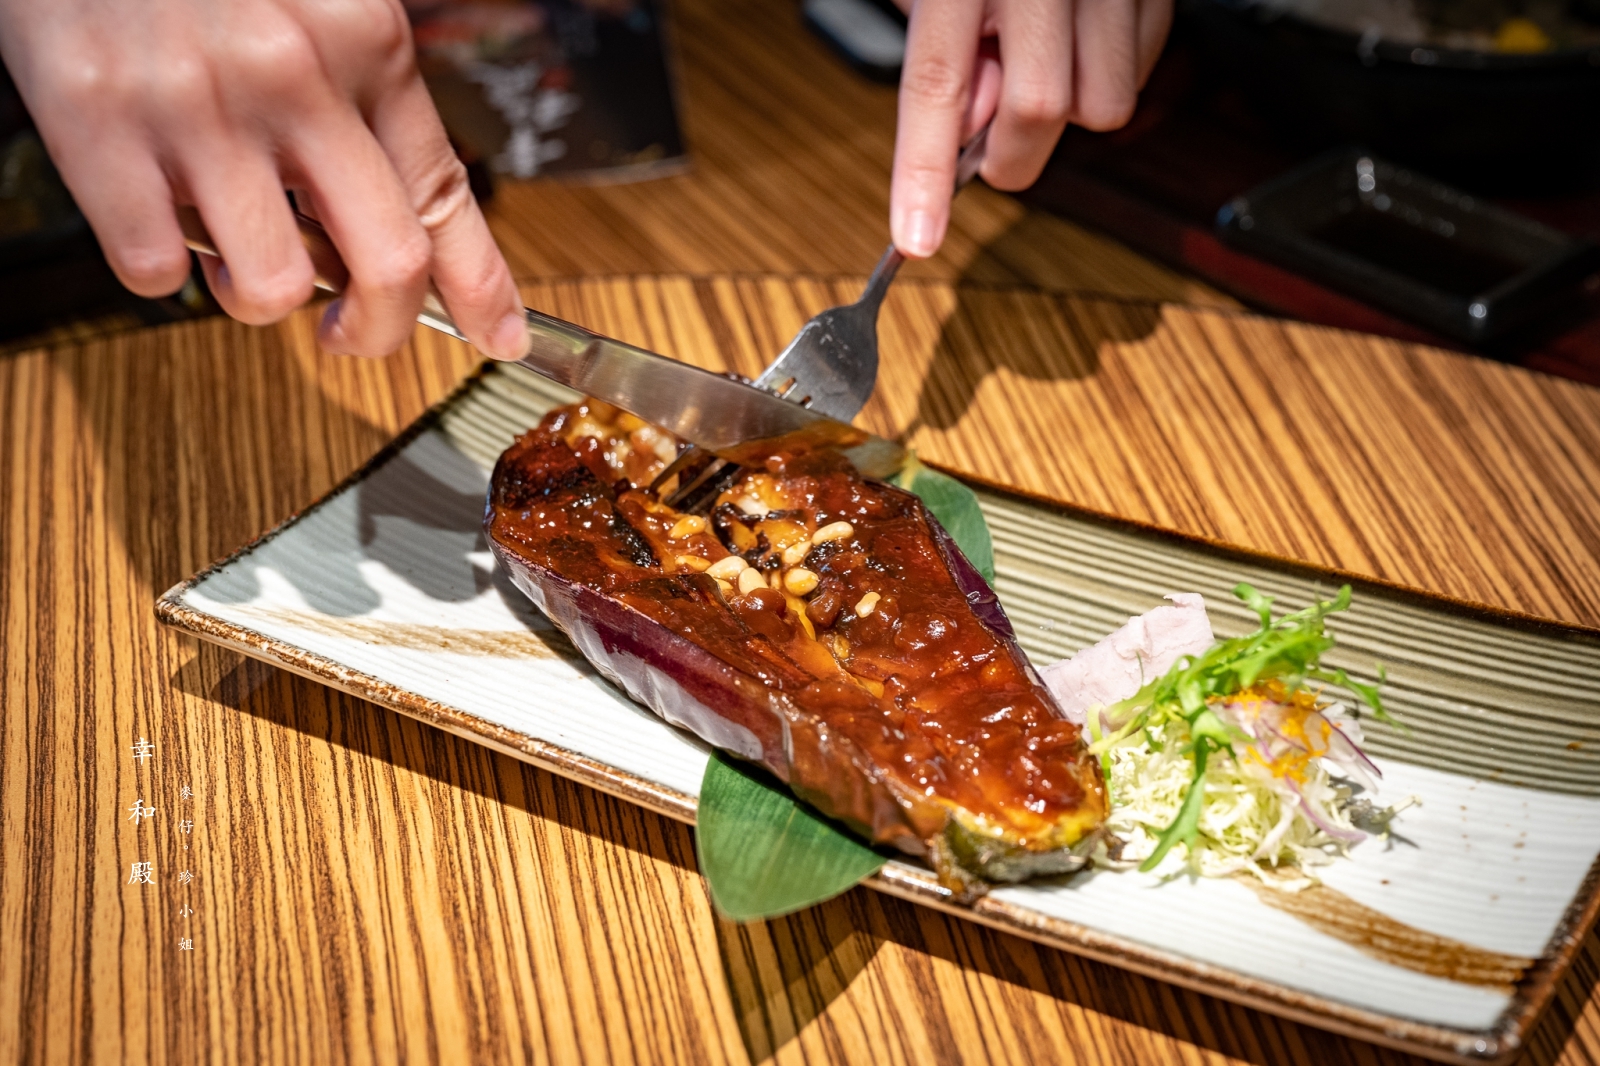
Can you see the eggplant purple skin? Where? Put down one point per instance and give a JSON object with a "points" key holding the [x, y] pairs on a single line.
{"points": [[693, 689], [985, 604], [983, 601]]}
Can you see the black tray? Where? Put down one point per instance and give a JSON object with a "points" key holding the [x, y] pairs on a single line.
{"points": [[1423, 250]]}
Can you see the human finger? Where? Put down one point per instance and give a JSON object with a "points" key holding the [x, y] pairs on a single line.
{"points": [[986, 79], [373, 37], [361, 203], [1155, 19], [1106, 69], [935, 95], [272, 80], [1036, 91], [466, 264], [263, 271], [130, 211], [82, 106]]}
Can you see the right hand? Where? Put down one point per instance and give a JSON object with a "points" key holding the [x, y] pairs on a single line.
{"points": [[225, 104], [1030, 66]]}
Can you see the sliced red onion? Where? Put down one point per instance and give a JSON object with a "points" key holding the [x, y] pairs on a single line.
{"points": [[1349, 836], [1351, 727], [1347, 754], [1233, 718], [1296, 745]]}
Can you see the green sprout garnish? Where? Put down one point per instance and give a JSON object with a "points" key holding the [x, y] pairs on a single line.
{"points": [[1288, 651]]}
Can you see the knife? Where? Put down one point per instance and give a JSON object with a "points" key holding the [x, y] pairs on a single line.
{"points": [[833, 360], [721, 414]]}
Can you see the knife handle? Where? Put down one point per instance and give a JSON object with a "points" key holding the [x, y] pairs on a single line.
{"points": [[331, 273]]}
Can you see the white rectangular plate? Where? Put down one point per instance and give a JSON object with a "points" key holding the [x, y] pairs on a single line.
{"points": [[1447, 941]]}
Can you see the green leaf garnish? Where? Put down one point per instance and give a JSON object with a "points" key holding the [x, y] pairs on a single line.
{"points": [[956, 508], [1288, 651], [1186, 826], [763, 852]]}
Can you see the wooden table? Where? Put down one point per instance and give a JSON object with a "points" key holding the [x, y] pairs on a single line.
{"points": [[369, 889]]}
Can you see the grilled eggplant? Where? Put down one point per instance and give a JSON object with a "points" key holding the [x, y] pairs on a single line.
{"points": [[817, 623]]}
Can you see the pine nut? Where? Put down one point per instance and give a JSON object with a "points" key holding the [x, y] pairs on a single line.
{"points": [[694, 562], [867, 604], [751, 579], [800, 581], [833, 531], [687, 526], [728, 569], [725, 586], [798, 607], [795, 554]]}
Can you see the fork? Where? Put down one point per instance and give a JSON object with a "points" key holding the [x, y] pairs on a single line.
{"points": [[831, 365]]}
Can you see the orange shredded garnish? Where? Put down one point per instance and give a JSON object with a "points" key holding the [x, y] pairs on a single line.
{"points": [[1297, 707]]}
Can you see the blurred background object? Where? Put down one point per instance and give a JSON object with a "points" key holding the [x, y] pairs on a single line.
{"points": [[1497, 101], [52, 275], [1412, 245], [554, 88], [870, 35], [1500, 95]]}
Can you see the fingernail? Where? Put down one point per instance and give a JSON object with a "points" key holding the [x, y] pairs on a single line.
{"points": [[330, 332], [510, 338], [921, 238]]}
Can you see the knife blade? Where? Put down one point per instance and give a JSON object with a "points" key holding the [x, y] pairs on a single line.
{"points": [[721, 414]]}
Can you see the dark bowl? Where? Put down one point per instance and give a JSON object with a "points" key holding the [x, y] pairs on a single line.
{"points": [[1490, 122]]}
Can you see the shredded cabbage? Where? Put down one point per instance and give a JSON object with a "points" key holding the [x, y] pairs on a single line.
{"points": [[1229, 756]]}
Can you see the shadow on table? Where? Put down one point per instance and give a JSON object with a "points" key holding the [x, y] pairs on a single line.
{"points": [[784, 975], [1030, 333], [411, 747]]}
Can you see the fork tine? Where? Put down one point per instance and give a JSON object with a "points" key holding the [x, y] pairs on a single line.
{"points": [[686, 458], [697, 497]]}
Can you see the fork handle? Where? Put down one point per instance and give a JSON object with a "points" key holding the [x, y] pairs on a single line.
{"points": [[967, 164], [882, 275], [971, 157]]}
